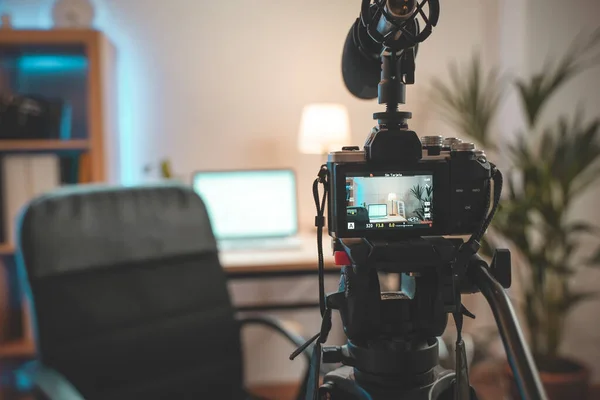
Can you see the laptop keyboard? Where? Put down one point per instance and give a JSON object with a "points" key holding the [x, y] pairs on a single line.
{"points": [[261, 244]]}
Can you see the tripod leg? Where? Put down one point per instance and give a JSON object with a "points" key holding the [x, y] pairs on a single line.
{"points": [[519, 356]]}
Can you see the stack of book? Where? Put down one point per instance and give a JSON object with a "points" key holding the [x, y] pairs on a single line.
{"points": [[24, 177]]}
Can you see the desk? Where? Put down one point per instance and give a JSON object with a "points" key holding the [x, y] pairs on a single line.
{"points": [[267, 264]]}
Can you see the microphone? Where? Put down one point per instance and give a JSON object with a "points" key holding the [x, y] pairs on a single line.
{"points": [[385, 25], [361, 63]]}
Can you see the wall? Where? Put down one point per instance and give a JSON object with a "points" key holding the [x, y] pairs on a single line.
{"points": [[221, 84], [213, 94]]}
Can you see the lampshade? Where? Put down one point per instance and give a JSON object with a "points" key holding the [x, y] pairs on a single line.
{"points": [[392, 196], [324, 128]]}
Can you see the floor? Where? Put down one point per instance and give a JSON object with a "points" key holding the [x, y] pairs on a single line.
{"points": [[487, 389], [283, 391]]}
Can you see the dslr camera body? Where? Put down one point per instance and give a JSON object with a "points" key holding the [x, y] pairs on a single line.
{"points": [[438, 188]]}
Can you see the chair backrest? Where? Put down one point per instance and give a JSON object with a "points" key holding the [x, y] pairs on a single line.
{"points": [[129, 298]]}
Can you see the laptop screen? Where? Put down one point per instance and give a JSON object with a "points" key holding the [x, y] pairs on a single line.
{"points": [[377, 210], [249, 204]]}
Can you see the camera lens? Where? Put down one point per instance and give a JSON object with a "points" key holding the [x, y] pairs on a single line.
{"points": [[401, 8]]}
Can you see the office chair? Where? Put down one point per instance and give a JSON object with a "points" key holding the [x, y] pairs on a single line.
{"points": [[129, 298]]}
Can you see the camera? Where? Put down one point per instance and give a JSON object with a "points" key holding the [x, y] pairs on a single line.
{"points": [[442, 193], [34, 117]]}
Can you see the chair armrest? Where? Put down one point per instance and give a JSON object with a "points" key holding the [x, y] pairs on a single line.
{"points": [[295, 338], [52, 385]]}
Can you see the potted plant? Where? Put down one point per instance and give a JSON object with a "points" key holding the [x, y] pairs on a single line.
{"points": [[551, 167], [162, 170]]}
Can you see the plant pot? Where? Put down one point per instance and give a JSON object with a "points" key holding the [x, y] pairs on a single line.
{"points": [[563, 379]]}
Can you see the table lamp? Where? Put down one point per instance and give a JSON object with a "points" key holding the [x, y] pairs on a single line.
{"points": [[324, 127]]}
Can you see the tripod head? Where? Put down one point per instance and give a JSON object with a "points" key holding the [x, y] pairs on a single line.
{"points": [[392, 347]]}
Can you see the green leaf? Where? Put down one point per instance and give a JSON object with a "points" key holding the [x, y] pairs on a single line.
{"points": [[594, 259], [572, 299], [564, 270], [581, 227], [470, 102], [536, 92]]}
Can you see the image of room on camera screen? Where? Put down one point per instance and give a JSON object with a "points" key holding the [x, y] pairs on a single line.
{"points": [[389, 201]]}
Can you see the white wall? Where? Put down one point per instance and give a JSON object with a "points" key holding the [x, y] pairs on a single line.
{"points": [[221, 84]]}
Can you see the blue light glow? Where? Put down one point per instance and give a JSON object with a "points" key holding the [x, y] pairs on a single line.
{"points": [[126, 124], [55, 63]]}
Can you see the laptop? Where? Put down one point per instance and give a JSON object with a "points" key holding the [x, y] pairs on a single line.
{"points": [[251, 209], [377, 211]]}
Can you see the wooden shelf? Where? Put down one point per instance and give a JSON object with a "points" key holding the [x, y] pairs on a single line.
{"points": [[29, 37], [23, 348], [42, 145], [89, 85], [6, 249]]}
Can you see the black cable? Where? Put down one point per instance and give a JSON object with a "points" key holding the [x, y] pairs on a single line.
{"points": [[471, 246], [320, 223], [498, 182]]}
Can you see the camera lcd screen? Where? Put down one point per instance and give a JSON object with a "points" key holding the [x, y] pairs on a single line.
{"points": [[389, 200]]}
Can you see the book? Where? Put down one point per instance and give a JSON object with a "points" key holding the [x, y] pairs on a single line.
{"points": [[25, 177]]}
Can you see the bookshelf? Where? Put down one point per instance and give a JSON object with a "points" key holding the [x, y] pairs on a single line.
{"points": [[6, 249], [37, 146], [20, 348], [76, 65]]}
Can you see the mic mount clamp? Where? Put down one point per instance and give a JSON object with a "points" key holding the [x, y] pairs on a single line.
{"points": [[401, 31], [397, 70]]}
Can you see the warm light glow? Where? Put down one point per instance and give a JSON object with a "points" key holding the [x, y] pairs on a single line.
{"points": [[392, 196], [324, 128]]}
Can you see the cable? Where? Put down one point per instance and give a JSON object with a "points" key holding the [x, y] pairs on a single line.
{"points": [[498, 183], [471, 246], [320, 223]]}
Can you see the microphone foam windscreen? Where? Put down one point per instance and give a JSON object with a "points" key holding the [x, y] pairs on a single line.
{"points": [[361, 73]]}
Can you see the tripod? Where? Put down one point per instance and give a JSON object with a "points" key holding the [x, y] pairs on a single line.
{"points": [[392, 350]]}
